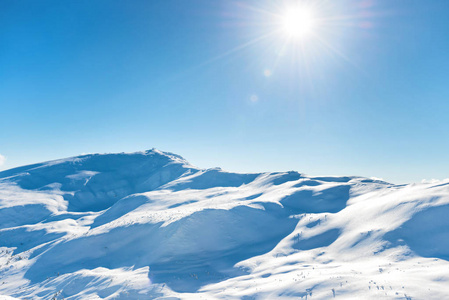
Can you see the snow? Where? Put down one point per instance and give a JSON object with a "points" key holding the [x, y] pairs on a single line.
{"points": [[148, 225]]}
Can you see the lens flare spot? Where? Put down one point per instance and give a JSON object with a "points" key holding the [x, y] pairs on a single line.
{"points": [[254, 98]]}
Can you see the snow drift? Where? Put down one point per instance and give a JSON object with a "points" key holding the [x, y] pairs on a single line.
{"points": [[149, 225]]}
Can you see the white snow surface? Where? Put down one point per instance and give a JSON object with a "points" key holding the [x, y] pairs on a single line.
{"points": [[149, 225]]}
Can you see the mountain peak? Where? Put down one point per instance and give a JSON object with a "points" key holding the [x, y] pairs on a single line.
{"points": [[96, 181], [173, 156]]}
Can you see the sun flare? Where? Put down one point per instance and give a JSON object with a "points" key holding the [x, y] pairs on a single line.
{"points": [[298, 22]]}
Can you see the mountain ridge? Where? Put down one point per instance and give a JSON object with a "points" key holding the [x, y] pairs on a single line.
{"points": [[149, 224]]}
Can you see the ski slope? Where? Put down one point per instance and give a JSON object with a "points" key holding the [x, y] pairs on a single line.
{"points": [[149, 225]]}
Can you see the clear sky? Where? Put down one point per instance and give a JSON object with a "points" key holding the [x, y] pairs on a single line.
{"points": [[222, 83]]}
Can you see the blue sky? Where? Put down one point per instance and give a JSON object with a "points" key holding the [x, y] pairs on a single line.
{"points": [[367, 94]]}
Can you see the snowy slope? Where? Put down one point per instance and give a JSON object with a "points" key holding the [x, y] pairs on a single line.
{"points": [[149, 225]]}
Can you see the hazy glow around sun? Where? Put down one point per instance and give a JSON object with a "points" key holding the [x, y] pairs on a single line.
{"points": [[298, 22]]}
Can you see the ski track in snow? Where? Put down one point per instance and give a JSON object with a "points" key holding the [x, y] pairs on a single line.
{"points": [[149, 225]]}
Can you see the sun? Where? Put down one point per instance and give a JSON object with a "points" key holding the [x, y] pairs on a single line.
{"points": [[298, 22]]}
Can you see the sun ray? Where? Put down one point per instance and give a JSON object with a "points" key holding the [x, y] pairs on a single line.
{"points": [[334, 50], [238, 48]]}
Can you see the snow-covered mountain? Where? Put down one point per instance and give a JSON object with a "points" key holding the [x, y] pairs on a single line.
{"points": [[149, 225]]}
